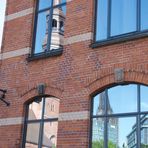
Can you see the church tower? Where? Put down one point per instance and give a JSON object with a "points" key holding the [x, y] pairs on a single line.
{"points": [[57, 34]]}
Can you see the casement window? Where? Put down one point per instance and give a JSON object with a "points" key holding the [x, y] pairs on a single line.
{"points": [[120, 20], [41, 124], [48, 36], [119, 117]]}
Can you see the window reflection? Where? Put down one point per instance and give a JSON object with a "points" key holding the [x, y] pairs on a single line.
{"points": [[50, 26], [144, 98], [144, 131], [118, 107], [98, 133], [32, 135], [123, 16], [42, 123]]}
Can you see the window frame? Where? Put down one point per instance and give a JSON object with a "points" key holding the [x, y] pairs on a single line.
{"points": [[41, 121], [34, 56], [107, 116], [117, 38]]}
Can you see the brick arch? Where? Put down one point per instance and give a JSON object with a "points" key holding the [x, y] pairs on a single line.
{"points": [[130, 76], [28, 95]]}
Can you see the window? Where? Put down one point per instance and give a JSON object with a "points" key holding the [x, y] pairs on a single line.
{"points": [[118, 20], [48, 38], [41, 124], [119, 117]]}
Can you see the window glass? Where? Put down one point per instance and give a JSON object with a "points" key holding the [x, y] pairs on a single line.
{"points": [[42, 124], [123, 16], [101, 22], [98, 133], [49, 33], [51, 108], [42, 32], [50, 135], [57, 35], [116, 118], [44, 4], [144, 12], [32, 135], [121, 132], [57, 2], [35, 110], [119, 101], [144, 131], [144, 98]]}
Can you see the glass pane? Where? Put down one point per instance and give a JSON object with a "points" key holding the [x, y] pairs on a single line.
{"points": [[32, 135], [144, 131], [101, 24], [51, 107], [42, 32], [144, 12], [121, 132], [35, 109], [99, 104], [98, 133], [123, 16], [144, 98], [57, 36], [57, 2], [50, 135], [122, 99], [44, 4]]}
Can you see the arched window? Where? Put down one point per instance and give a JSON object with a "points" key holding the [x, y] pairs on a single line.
{"points": [[54, 23], [38, 130], [119, 117]]}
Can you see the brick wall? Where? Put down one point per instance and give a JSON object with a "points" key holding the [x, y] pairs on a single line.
{"points": [[72, 77]]}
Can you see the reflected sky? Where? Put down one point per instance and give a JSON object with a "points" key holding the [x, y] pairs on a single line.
{"points": [[120, 18]]}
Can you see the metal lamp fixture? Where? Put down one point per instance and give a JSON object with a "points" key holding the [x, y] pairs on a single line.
{"points": [[2, 96]]}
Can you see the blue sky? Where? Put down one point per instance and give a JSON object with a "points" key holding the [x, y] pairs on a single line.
{"points": [[2, 14]]}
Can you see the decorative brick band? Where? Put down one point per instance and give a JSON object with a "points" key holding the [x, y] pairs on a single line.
{"points": [[19, 14], [84, 115], [23, 51], [74, 116], [78, 38], [14, 53], [11, 121]]}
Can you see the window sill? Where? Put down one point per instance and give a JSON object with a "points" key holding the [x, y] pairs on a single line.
{"points": [[119, 39], [43, 55]]}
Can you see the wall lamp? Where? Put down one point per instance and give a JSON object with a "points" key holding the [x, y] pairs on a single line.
{"points": [[2, 96]]}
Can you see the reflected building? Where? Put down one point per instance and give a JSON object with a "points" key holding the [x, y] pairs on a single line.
{"points": [[131, 137], [98, 124], [57, 32]]}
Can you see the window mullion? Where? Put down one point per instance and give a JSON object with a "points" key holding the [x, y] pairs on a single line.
{"points": [[106, 121], [138, 14], [138, 118], [42, 125], [109, 19]]}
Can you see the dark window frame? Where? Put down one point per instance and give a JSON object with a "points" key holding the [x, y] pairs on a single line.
{"points": [[106, 116], [118, 38], [56, 52], [33, 121]]}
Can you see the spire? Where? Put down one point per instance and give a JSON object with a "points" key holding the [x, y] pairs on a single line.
{"points": [[101, 107]]}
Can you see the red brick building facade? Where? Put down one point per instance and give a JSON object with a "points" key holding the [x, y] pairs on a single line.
{"points": [[73, 77]]}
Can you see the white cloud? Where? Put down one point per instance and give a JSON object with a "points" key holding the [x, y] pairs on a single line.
{"points": [[2, 14]]}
